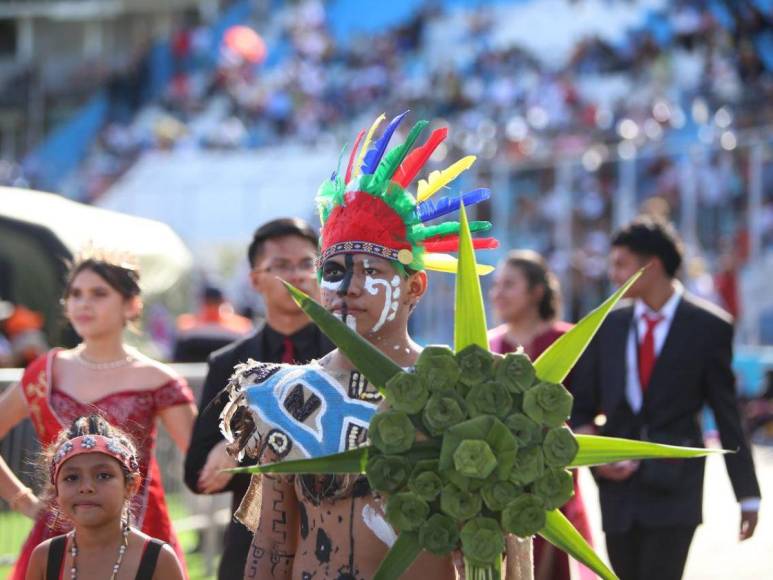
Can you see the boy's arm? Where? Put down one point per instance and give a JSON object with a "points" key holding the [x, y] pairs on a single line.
{"points": [[273, 546]]}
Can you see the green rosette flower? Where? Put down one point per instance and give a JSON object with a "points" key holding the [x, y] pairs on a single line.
{"points": [[548, 403], [554, 488], [515, 371], [392, 432], [407, 392], [406, 511], [489, 398], [476, 365], [559, 447], [387, 473], [460, 505], [474, 458], [529, 466], [438, 369], [443, 411], [439, 534], [482, 541], [497, 494], [526, 432], [524, 516], [426, 485]]}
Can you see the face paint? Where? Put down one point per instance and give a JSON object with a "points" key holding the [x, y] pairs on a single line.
{"points": [[390, 304], [332, 286], [378, 525], [346, 281]]}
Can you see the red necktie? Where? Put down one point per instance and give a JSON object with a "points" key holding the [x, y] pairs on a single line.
{"points": [[288, 351], [647, 350]]}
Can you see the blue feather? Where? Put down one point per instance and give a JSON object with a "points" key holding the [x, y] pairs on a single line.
{"points": [[375, 153], [430, 210]]}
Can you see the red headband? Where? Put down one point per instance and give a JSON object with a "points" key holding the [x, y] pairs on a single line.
{"points": [[112, 446]]}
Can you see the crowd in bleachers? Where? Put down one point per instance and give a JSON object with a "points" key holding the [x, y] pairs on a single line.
{"points": [[688, 72]]}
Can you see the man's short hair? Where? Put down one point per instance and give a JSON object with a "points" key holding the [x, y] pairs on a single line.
{"points": [[279, 228], [650, 237]]}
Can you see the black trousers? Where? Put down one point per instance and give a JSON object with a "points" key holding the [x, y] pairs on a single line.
{"points": [[237, 545], [644, 553]]}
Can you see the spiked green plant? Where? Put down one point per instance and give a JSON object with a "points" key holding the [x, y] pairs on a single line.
{"points": [[493, 435]]}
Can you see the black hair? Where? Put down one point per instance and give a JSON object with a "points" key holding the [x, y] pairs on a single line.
{"points": [[123, 278], [279, 228], [535, 270], [652, 237]]}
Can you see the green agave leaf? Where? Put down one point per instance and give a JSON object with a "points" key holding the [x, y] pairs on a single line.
{"points": [[595, 450], [469, 317], [555, 363], [400, 556], [563, 535], [352, 461], [370, 361]]}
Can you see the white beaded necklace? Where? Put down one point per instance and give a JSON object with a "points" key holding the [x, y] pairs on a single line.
{"points": [[121, 551], [102, 366]]}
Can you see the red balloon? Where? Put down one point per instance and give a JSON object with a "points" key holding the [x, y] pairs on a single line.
{"points": [[245, 42]]}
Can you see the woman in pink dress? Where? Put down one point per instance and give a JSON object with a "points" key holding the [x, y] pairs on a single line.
{"points": [[101, 375], [526, 298]]}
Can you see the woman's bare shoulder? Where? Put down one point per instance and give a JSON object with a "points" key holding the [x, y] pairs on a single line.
{"points": [[153, 371]]}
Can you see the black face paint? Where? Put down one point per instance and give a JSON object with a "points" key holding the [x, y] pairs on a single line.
{"points": [[346, 281]]}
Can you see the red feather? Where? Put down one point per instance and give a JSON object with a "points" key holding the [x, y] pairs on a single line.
{"points": [[412, 164], [451, 243], [353, 154]]}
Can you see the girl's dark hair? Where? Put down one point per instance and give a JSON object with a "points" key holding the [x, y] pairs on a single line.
{"points": [[123, 277], [537, 274]]}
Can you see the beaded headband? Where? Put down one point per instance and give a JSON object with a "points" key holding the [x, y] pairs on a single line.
{"points": [[111, 446]]}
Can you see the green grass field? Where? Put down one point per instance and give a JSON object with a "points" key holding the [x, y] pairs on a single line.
{"points": [[14, 528]]}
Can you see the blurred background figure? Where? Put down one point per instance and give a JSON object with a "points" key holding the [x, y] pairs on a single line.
{"points": [[22, 330], [526, 297], [215, 325]]}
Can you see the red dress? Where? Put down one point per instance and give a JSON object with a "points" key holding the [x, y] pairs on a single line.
{"points": [[574, 509], [135, 412]]}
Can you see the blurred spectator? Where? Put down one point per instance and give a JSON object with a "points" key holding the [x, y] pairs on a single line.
{"points": [[23, 331], [212, 327]]}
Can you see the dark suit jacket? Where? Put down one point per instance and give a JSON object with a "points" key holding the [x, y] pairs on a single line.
{"points": [[693, 369], [206, 430]]}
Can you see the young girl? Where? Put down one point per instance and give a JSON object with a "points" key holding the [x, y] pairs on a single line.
{"points": [[102, 374], [94, 470]]}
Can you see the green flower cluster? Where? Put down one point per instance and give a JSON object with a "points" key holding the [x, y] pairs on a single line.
{"points": [[497, 444]]}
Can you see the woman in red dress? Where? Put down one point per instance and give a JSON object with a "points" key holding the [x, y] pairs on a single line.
{"points": [[525, 297], [101, 375]]}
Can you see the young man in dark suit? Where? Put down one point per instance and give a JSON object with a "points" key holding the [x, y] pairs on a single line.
{"points": [[287, 249], [656, 361]]}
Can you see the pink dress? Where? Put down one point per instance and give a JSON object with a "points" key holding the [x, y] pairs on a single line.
{"points": [[574, 509], [135, 412]]}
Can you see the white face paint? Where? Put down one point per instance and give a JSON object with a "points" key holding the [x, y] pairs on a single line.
{"points": [[351, 322], [389, 311], [332, 286], [378, 525]]}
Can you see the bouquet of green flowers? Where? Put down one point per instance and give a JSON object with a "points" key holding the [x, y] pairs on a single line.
{"points": [[473, 446]]}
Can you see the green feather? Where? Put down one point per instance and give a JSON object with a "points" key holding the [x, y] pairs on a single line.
{"points": [[448, 228]]}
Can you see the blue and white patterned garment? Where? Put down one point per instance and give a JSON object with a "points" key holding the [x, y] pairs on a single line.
{"points": [[296, 412]]}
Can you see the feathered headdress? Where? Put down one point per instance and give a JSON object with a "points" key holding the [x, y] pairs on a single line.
{"points": [[368, 209]]}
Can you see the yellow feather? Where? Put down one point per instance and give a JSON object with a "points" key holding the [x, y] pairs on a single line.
{"points": [[438, 179], [365, 145], [449, 264]]}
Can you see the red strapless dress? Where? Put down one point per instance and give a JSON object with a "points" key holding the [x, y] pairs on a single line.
{"points": [[574, 509], [133, 411]]}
